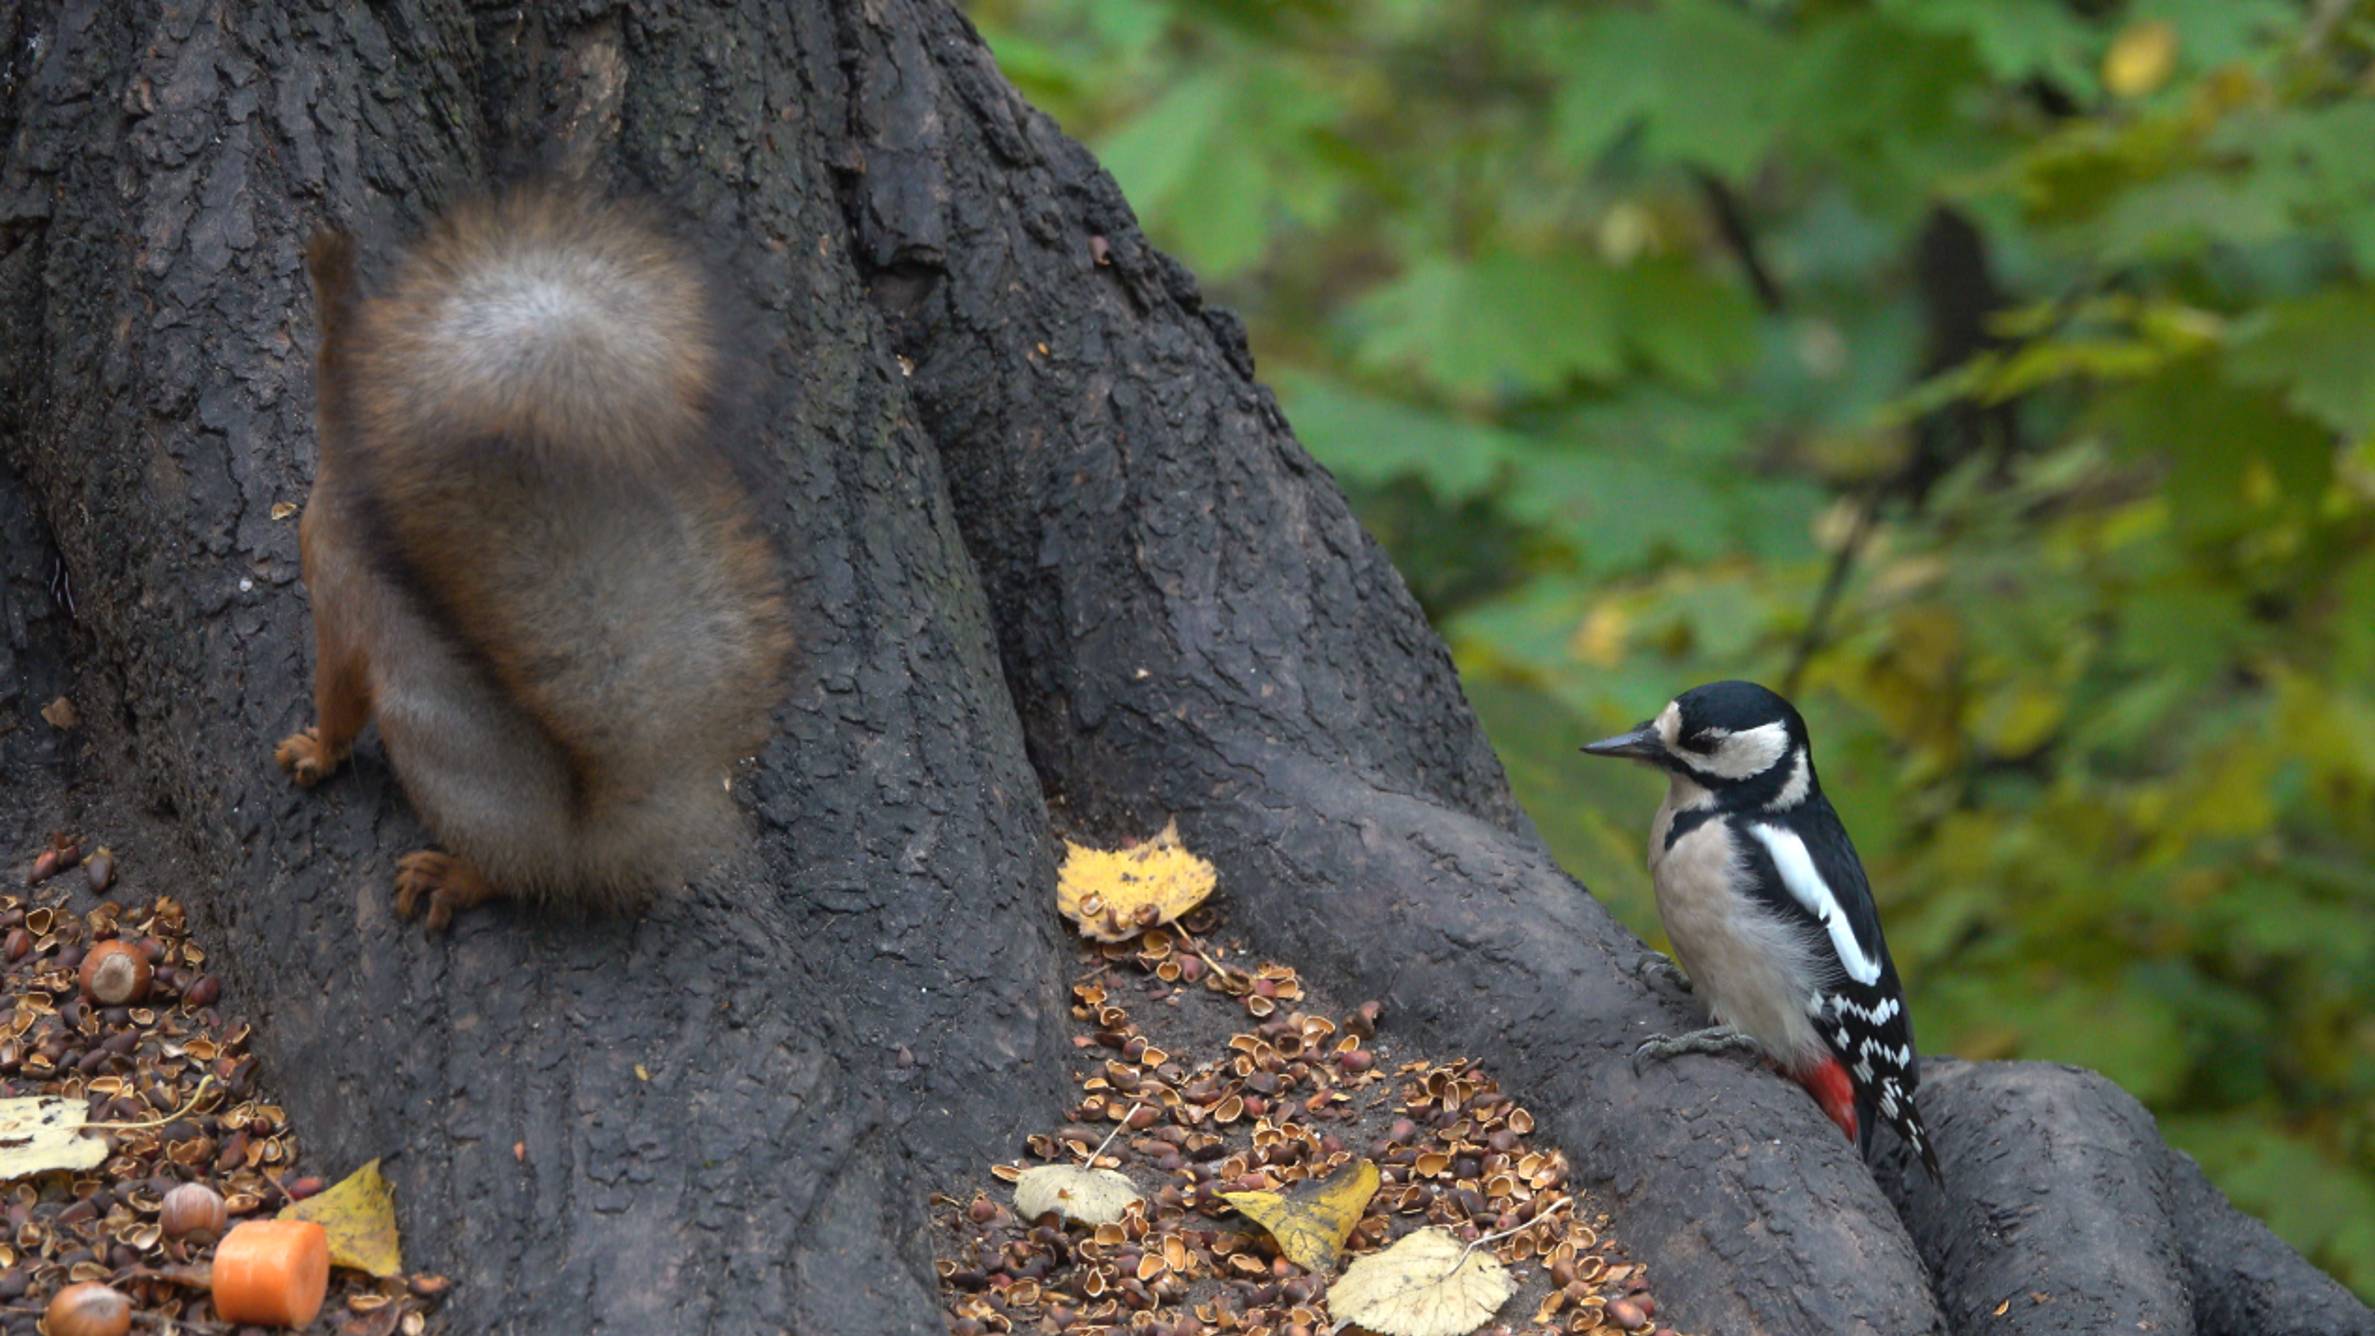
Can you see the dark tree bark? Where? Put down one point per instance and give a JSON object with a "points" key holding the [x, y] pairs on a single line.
{"points": [[1047, 537]]}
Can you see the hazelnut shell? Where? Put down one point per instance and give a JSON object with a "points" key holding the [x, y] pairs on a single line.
{"points": [[88, 1309], [115, 974]]}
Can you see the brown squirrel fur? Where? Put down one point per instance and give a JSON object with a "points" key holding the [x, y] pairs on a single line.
{"points": [[528, 557]]}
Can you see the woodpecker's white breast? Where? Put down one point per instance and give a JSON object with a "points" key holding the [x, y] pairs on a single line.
{"points": [[1755, 970]]}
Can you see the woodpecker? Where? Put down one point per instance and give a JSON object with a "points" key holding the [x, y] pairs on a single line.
{"points": [[1768, 909]]}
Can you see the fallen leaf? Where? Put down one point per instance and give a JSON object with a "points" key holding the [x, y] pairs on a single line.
{"points": [[1312, 1219], [61, 715], [359, 1215], [40, 1132], [1113, 895], [1076, 1192], [1429, 1284]]}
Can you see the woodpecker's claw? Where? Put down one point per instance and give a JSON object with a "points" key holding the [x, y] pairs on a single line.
{"points": [[1656, 967], [1712, 1040]]}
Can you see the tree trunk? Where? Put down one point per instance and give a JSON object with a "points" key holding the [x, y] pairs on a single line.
{"points": [[1046, 536]]}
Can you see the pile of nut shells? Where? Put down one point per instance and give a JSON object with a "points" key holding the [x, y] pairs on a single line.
{"points": [[1226, 1078], [109, 1001]]}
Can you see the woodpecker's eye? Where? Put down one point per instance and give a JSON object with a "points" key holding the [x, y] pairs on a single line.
{"points": [[1701, 742]]}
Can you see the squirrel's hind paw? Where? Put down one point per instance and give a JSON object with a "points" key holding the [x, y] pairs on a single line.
{"points": [[450, 885], [306, 759]]}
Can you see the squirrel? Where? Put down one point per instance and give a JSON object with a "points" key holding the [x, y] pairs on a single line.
{"points": [[529, 557]]}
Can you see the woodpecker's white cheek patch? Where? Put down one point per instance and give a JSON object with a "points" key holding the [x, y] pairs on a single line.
{"points": [[1753, 752], [1813, 894]]}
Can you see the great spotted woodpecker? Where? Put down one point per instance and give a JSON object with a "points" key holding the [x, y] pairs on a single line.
{"points": [[1767, 906]]}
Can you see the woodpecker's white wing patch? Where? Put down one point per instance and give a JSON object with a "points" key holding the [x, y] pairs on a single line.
{"points": [[1814, 895]]}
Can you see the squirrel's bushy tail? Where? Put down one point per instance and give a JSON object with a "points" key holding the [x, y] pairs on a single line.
{"points": [[530, 407]]}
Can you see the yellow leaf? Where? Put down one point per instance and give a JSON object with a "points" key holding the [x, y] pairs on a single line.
{"points": [[1429, 1284], [2020, 719], [1090, 1196], [1312, 1219], [2141, 58], [1600, 640], [359, 1215], [1115, 895], [39, 1132]]}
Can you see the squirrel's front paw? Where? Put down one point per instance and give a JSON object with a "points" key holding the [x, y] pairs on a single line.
{"points": [[305, 758], [449, 884]]}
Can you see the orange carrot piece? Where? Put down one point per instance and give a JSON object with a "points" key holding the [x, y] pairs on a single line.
{"points": [[272, 1272]]}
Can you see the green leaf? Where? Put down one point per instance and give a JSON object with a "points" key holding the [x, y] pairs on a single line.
{"points": [[1692, 328], [2314, 161], [2232, 450], [2181, 217], [1369, 439], [2016, 40], [2129, 1036], [1617, 507], [1695, 77], [1503, 321], [2212, 33], [1185, 163], [2321, 351]]}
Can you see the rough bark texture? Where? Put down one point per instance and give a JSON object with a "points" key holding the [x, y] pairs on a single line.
{"points": [[864, 1005], [2070, 1213], [1047, 535]]}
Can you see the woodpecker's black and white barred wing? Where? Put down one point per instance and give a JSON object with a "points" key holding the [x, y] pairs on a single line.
{"points": [[1805, 869]]}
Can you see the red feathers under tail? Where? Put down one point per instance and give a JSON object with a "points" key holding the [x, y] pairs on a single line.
{"points": [[1828, 1082], [1829, 1085]]}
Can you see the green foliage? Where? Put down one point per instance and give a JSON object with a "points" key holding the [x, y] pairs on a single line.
{"points": [[2097, 690]]}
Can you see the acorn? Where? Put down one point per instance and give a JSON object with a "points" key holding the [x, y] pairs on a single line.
{"points": [[88, 1309], [115, 974], [193, 1211]]}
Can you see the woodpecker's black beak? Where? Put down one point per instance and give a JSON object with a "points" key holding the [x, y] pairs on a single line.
{"points": [[1642, 744]]}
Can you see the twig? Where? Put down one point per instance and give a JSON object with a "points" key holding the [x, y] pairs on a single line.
{"points": [[1732, 221], [1833, 586], [195, 1096], [2326, 17], [1482, 1239], [1206, 956], [1117, 1131]]}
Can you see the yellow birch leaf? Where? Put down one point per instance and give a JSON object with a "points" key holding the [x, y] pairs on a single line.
{"points": [[41, 1132], [1429, 1284], [1312, 1219], [359, 1215], [1113, 895]]}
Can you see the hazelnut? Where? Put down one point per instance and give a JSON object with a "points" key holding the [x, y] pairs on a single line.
{"points": [[193, 1211], [88, 1309], [115, 973]]}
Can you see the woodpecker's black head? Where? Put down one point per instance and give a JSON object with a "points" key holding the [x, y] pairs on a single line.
{"points": [[1725, 736]]}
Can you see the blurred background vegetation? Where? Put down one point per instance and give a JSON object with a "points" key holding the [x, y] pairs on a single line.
{"points": [[1995, 376]]}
